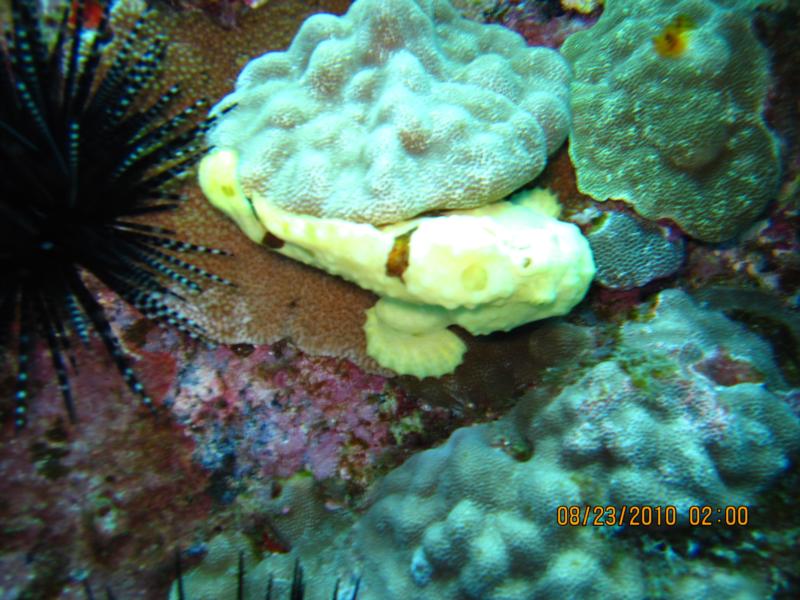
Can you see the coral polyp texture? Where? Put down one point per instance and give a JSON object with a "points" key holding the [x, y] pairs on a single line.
{"points": [[83, 157], [486, 269], [392, 110], [654, 424], [700, 417], [618, 267], [667, 104], [274, 298]]}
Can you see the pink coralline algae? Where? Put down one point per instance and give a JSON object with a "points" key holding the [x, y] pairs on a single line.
{"points": [[114, 495], [542, 22], [111, 495], [727, 371], [275, 412], [264, 410], [768, 258]]}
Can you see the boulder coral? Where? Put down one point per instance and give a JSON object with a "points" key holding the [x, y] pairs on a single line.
{"points": [[274, 298], [486, 515], [393, 110], [478, 516]]}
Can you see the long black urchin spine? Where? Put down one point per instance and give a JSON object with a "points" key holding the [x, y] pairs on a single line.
{"points": [[83, 159]]}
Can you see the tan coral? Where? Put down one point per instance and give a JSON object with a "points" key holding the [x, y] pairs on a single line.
{"points": [[274, 298], [205, 56]]}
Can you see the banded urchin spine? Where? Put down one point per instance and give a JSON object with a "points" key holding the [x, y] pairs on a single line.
{"points": [[297, 589], [80, 161]]}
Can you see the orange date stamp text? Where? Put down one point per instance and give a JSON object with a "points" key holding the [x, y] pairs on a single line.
{"points": [[624, 515]]}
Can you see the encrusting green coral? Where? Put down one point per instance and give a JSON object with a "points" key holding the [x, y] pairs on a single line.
{"points": [[667, 103]]}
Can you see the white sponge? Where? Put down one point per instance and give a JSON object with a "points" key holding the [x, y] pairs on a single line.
{"points": [[486, 269]]}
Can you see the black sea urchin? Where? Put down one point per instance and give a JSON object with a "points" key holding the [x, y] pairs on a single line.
{"points": [[80, 160], [297, 591]]}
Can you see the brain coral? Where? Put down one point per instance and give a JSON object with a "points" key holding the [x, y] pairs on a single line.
{"points": [[393, 110], [667, 114]]}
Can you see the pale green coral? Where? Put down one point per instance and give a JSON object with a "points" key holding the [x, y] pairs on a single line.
{"points": [[392, 110], [681, 135]]}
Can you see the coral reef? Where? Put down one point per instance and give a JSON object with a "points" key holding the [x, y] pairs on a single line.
{"points": [[499, 368], [141, 471], [653, 426], [366, 121], [775, 25], [235, 421], [110, 494], [269, 411], [273, 412], [697, 418], [392, 111], [262, 457], [274, 298], [676, 133], [206, 58], [767, 258], [764, 314]]}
